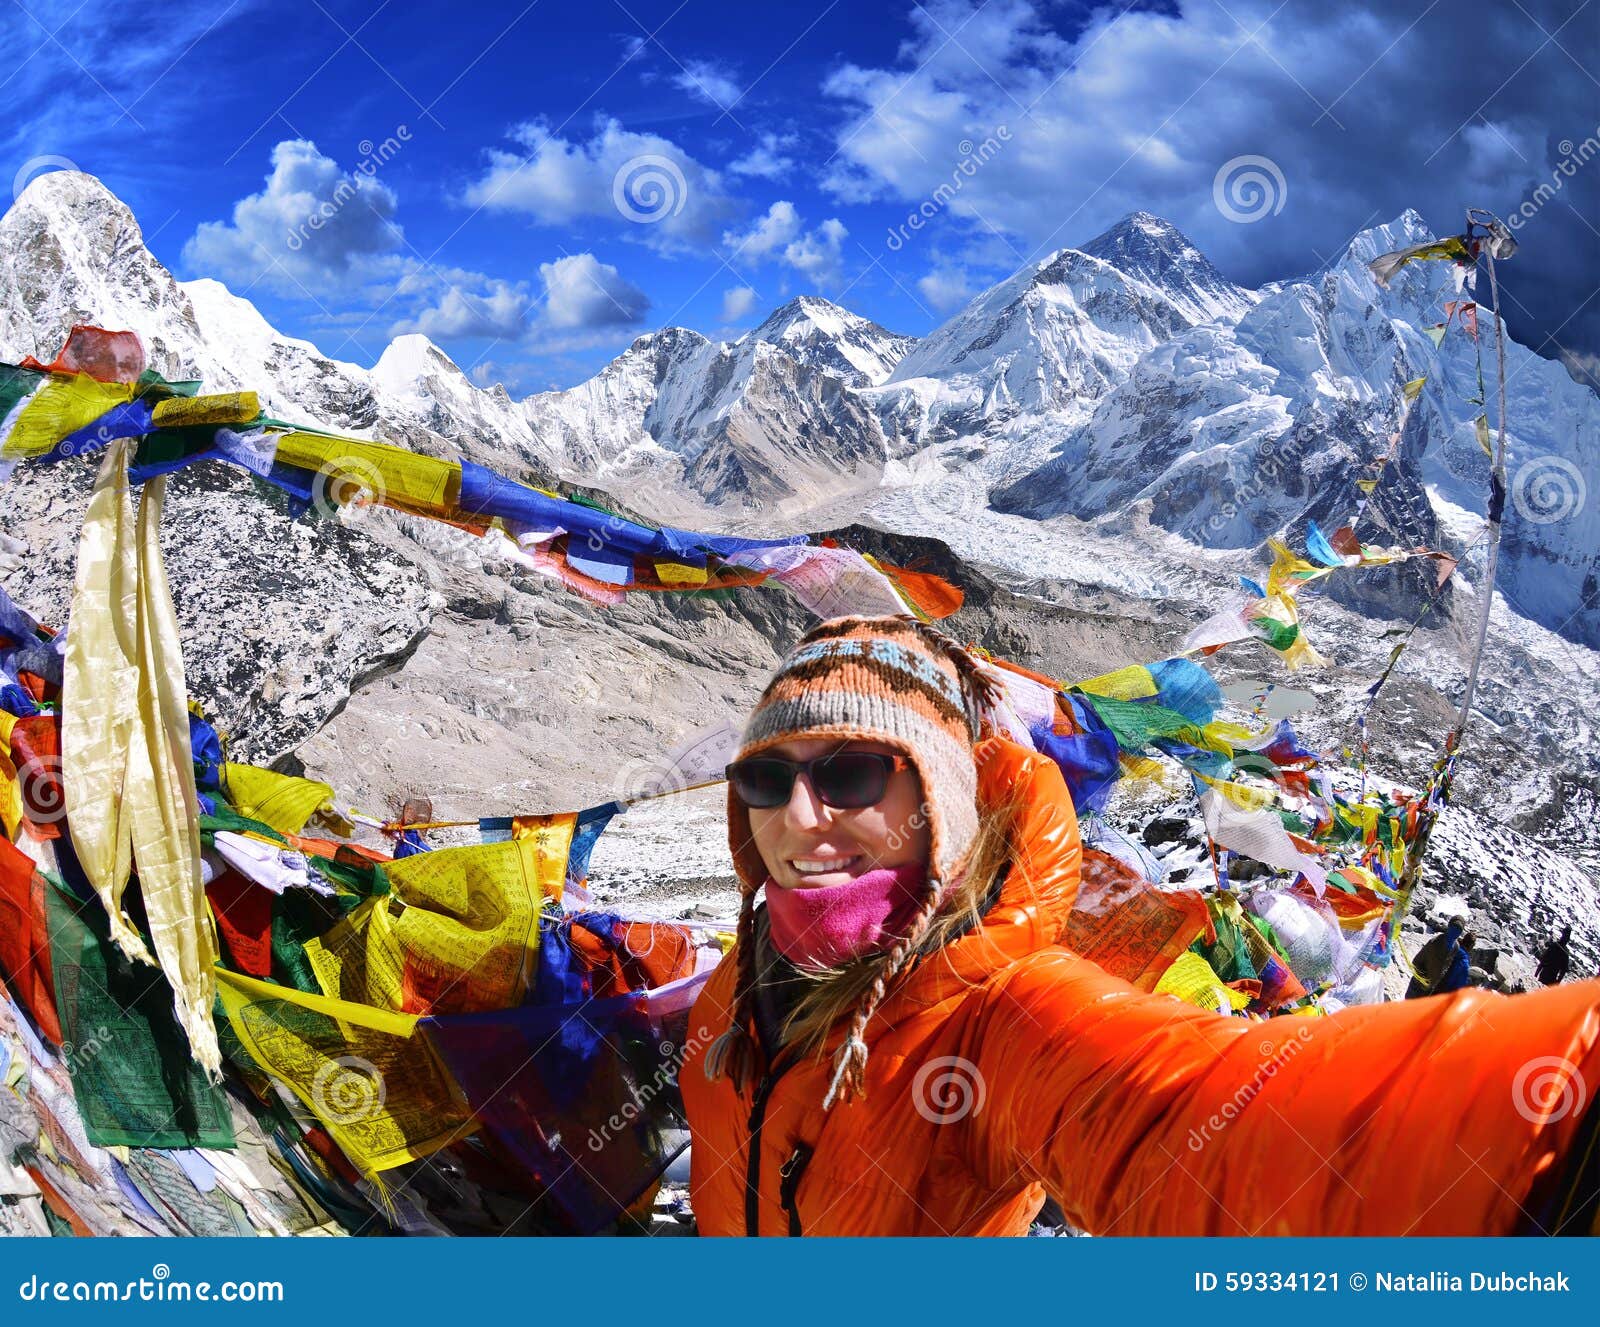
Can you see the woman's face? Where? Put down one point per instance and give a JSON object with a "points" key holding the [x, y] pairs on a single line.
{"points": [[807, 845]]}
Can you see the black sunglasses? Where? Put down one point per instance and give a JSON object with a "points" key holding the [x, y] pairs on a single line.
{"points": [[844, 780]]}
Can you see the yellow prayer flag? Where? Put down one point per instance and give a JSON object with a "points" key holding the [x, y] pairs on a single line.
{"points": [[10, 796], [218, 408], [1288, 568], [1134, 682], [281, 801], [458, 931], [1247, 797], [377, 1087], [392, 476], [680, 573], [1191, 980], [61, 407]]}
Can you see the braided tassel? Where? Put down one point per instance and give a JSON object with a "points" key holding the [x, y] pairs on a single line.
{"points": [[849, 1067], [730, 1053]]}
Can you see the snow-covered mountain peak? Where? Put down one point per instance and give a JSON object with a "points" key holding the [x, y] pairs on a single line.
{"points": [[823, 335], [1153, 250], [1059, 334], [72, 252], [412, 358], [84, 215]]}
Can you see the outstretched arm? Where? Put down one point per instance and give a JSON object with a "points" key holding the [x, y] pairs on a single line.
{"points": [[1142, 1115]]}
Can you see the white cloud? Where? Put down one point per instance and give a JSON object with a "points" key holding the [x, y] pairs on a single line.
{"points": [[737, 304], [583, 292], [778, 227], [1583, 366], [707, 81], [311, 228], [1142, 108], [780, 236], [818, 254], [766, 160], [640, 181], [497, 309], [945, 288]]}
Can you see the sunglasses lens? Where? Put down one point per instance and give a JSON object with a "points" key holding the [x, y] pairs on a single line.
{"points": [[761, 783], [851, 779]]}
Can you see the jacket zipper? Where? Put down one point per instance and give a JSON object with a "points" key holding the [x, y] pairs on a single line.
{"points": [[789, 1178], [758, 1117]]}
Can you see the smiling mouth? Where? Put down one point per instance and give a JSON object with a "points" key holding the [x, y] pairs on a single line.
{"points": [[821, 868]]}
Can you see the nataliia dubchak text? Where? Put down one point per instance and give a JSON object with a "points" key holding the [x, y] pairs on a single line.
{"points": [[1491, 1282]]}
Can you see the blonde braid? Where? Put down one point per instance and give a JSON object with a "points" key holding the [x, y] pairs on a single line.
{"points": [[732, 1052]]}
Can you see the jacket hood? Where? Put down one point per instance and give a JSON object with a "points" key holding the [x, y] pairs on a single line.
{"points": [[1040, 885]]}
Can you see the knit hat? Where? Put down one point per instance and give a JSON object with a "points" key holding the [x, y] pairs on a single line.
{"points": [[881, 678], [896, 681]]}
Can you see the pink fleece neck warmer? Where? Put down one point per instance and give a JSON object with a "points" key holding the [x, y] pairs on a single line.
{"points": [[831, 924]]}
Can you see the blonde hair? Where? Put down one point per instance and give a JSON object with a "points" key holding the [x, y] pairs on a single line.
{"points": [[862, 984]]}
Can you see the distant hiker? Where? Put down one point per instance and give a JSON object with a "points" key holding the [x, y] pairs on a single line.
{"points": [[900, 1044], [1458, 974], [1434, 960], [1556, 959]]}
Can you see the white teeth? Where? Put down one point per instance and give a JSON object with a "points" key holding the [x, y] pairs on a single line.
{"points": [[819, 865]]}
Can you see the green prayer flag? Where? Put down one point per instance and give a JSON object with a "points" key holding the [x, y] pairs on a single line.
{"points": [[132, 1074]]}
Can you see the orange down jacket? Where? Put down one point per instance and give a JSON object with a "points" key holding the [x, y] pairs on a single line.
{"points": [[1004, 1068]]}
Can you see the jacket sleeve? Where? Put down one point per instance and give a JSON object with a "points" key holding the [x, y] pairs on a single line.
{"points": [[1142, 1115]]}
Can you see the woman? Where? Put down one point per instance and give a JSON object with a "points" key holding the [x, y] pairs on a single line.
{"points": [[899, 1045]]}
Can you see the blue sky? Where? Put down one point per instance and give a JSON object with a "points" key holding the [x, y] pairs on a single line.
{"points": [[533, 185]]}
